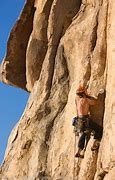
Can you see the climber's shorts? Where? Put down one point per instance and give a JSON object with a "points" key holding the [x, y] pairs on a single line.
{"points": [[83, 122]]}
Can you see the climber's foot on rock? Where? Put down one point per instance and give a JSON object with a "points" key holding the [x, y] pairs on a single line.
{"points": [[78, 155], [95, 145]]}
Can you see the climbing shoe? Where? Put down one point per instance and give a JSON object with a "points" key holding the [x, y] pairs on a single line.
{"points": [[78, 155], [95, 145]]}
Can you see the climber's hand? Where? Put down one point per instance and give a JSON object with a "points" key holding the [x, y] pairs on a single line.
{"points": [[101, 91]]}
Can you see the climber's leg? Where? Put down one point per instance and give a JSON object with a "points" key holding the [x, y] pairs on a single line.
{"points": [[81, 141], [78, 153], [81, 144], [87, 137], [97, 135], [96, 145], [97, 129]]}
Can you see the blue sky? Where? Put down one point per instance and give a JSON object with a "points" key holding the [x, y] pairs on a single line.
{"points": [[12, 100]]}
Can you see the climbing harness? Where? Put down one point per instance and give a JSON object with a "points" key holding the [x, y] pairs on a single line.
{"points": [[80, 124]]}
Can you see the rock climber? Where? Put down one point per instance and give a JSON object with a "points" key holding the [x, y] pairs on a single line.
{"points": [[83, 121]]}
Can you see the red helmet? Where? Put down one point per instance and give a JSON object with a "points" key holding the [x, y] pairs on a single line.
{"points": [[80, 89]]}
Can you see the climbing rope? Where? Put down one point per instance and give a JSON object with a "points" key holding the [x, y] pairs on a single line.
{"points": [[74, 156], [74, 168]]}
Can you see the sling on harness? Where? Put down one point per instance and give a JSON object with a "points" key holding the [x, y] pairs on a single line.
{"points": [[81, 124]]}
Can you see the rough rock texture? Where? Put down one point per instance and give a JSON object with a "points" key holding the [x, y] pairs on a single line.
{"points": [[71, 42], [14, 64], [44, 41]]}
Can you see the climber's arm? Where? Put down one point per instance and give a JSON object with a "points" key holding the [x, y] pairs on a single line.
{"points": [[92, 101]]}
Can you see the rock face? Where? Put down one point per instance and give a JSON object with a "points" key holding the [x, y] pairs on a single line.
{"points": [[69, 42], [14, 64]]}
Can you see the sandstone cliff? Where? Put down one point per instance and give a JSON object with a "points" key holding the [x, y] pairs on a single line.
{"points": [[55, 45]]}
